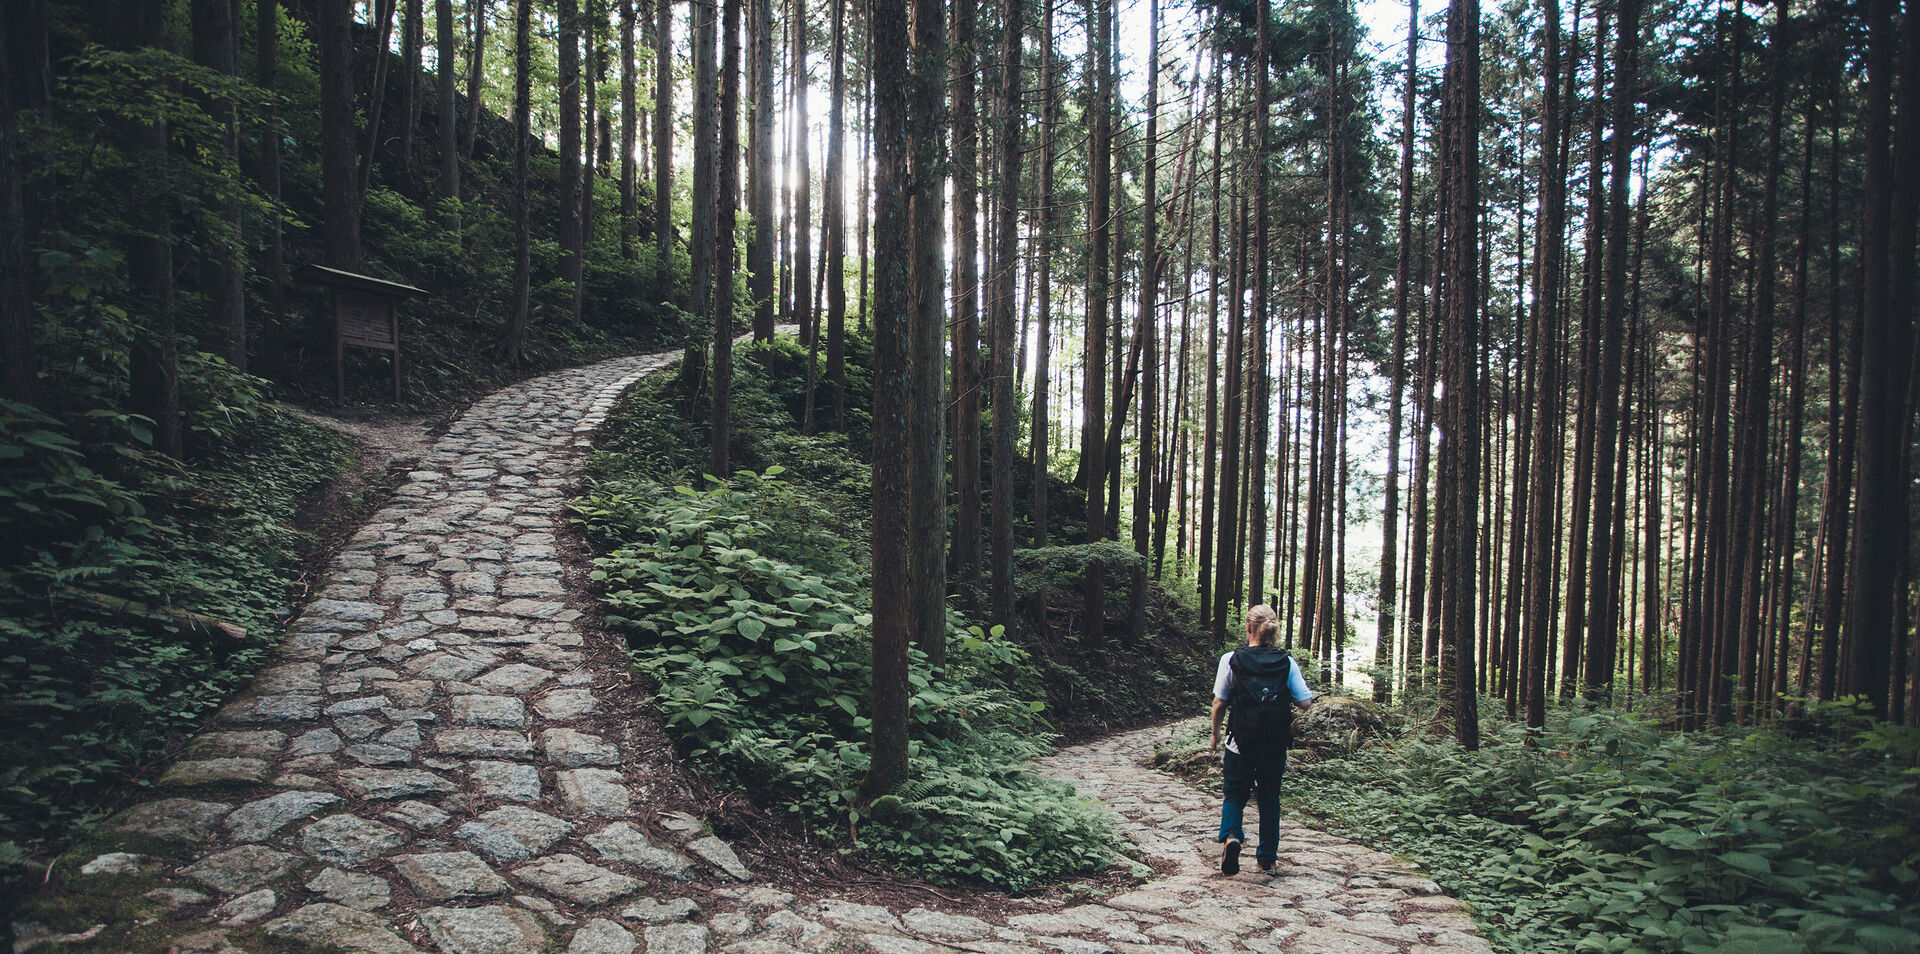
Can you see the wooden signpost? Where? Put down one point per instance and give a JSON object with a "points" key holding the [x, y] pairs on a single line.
{"points": [[365, 315]]}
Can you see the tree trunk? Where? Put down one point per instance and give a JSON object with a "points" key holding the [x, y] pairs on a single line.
{"points": [[476, 77], [663, 141], [1093, 453], [761, 172], [720, 423], [222, 269], [569, 230], [1043, 343], [967, 379], [272, 269], [1460, 460], [893, 308], [522, 234], [926, 462], [629, 136], [1006, 209], [835, 222]]}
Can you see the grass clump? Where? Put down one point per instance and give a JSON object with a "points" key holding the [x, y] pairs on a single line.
{"points": [[746, 603]]}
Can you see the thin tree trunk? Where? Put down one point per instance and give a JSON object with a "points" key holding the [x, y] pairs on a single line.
{"points": [[720, 423], [926, 466], [522, 107], [966, 303], [1006, 210]]}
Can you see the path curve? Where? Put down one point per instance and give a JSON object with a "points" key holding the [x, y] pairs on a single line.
{"points": [[426, 767]]}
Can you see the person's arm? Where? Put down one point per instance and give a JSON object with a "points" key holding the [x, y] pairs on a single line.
{"points": [[1297, 686], [1219, 711]]}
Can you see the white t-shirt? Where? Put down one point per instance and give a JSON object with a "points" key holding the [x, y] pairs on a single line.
{"points": [[1223, 685]]}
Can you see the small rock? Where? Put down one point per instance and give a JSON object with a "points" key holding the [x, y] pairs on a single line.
{"points": [[175, 897], [359, 706], [720, 855], [362, 892], [894, 944], [601, 936], [407, 736], [245, 909], [682, 824], [112, 863], [347, 840], [257, 821]]}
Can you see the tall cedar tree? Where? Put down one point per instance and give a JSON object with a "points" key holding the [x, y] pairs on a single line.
{"points": [[1006, 257], [892, 377], [926, 461], [720, 423], [522, 232]]}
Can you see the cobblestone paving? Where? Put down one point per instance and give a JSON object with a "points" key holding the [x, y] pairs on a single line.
{"points": [[415, 773]]}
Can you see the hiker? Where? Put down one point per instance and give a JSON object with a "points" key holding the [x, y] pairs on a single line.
{"points": [[1260, 686]]}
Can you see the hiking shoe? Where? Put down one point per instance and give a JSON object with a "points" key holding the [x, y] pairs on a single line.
{"points": [[1230, 861], [1266, 867]]}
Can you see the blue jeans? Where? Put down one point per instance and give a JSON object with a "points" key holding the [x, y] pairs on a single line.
{"points": [[1261, 775]]}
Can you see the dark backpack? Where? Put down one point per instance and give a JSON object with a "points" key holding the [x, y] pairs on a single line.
{"points": [[1260, 707]]}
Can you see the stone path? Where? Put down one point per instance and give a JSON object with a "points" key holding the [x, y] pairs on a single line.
{"points": [[426, 767]]}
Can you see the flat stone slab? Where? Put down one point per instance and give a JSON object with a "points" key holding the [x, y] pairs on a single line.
{"points": [[269, 709], [513, 781], [241, 869], [347, 840], [594, 792], [601, 936], [573, 749], [341, 927], [256, 821], [515, 678], [393, 783], [562, 704], [361, 892], [569, 877], [513, 832], [677, 939], [621, 841], [489, 930], [450, 875], [214, 772], [719, 854], [482, 743], [173, 819], [243, 744], [498, 712]]}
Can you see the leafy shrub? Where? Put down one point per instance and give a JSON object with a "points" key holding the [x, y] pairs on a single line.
{"points": [[89, 517], [763, 665], [1615, 834]]}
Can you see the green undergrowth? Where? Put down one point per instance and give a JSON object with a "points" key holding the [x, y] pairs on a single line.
{"points": [[91, 517], [1614, 833], [747, 604]]}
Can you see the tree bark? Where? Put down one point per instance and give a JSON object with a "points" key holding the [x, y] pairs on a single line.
{"points": [[517, 314], [926, 462], [720, 422], [1006, 257], [892, 376]]}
